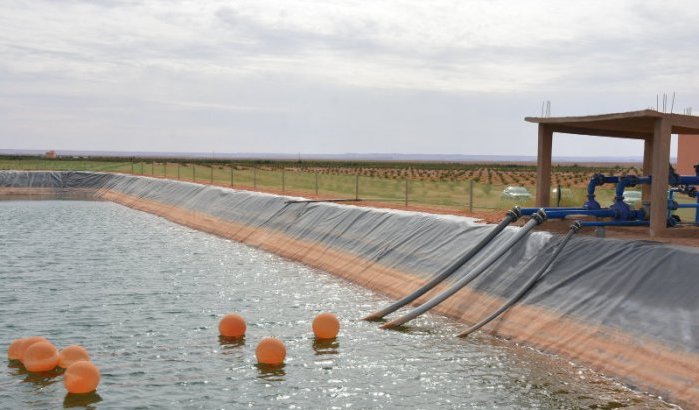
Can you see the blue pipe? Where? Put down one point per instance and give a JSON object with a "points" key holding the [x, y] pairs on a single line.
{"points": [[615, 223], [689, 180], [597, 179], [599, 213], [532, 211], [629, 180]]}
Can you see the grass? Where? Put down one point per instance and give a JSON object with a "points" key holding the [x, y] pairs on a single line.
{"points": [[447, 185]]}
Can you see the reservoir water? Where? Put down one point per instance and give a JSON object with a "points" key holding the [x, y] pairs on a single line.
{"points": [[144, 296]]}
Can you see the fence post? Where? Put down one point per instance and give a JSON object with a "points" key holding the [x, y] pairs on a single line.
{"points": [[132, 168], [254, 178], [152, 168], [470, 196], [356, 187], [406, 192], [316, 182], [231, 177], [283, 180], [558, 196]]}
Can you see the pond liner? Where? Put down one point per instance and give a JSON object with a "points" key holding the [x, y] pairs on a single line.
{"points": [[439, 277], [464, 280], [625, 308]]}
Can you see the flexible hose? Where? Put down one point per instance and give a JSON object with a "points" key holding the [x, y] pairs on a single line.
{"points": [[536, 219], [512, 215], [574, 228]]}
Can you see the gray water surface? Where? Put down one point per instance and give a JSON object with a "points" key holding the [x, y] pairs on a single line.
{"points": [[144, 296]]}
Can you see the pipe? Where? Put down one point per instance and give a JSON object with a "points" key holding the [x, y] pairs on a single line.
{"points": [[512, 215], [615, 223], [531, 211], [574, 228], [599, 213], [629, 180], [689, 180], [466, 279], [597, 179]]}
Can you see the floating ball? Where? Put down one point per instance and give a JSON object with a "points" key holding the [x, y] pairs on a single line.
{"points": [[232, 325], [72, 354], [81, 377], [326, 326], [40, 357], [15, 349], [23, 344], [270, 351]]}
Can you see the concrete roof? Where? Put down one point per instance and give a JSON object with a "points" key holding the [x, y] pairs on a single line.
{"points": [[634, 124]]}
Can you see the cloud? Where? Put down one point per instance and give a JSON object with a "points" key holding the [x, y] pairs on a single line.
{"points": [[294, 70]]}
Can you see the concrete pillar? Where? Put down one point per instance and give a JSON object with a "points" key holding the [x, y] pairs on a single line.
{"points": [[543, 166], [659, 185], [687, 154], [647, 165]]}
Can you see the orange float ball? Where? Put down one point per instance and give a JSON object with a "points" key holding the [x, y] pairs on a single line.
{"points": [[232, 325], [21, 347], [81, 377], [326, 326], [270, 351], [16, 347], [40, 357], [72, 354]]}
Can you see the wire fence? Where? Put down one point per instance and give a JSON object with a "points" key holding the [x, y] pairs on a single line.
{"points": [[464, 195]]}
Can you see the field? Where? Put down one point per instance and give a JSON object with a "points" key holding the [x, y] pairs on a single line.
{"points": [[455, 186]]}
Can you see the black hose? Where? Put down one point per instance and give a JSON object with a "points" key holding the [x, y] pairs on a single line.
{"points": [[536, 219], [512, 215], [574, 228]]}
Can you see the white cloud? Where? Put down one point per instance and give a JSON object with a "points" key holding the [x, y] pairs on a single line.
{"points": [[288, 59]]}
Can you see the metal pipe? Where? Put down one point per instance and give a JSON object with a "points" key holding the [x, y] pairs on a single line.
{"points": [[615, 223], [597, 179], [530, 211], [629, 180], [466, 279], [599, 213], [512, 215], [574, 228]]}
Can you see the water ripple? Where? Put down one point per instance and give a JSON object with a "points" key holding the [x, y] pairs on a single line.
{"points": [[144, 295]]}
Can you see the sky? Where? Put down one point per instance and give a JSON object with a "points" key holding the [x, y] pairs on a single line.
{"points": [[330, 76]]}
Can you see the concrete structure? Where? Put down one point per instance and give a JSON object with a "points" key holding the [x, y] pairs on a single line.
{"points": [[653, 127], [687, 154]]}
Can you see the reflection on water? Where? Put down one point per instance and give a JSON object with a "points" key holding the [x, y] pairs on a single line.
{"points": [[144, 297], [231, 342], [81, 400], [326, 346], [38, 379], [270, 372]]}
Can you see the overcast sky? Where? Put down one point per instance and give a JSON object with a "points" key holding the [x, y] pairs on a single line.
{"points": [[330, 76]]}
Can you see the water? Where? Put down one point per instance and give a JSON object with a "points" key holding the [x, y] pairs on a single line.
{"points": [[144, 295]]}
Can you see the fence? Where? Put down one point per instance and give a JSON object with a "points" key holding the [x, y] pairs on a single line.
{"points": [[455, 195]]}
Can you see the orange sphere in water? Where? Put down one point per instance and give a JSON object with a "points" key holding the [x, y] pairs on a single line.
{"points": [[232, 325], [21, 345], [40, 357], [81, 377], [326, 326], [72, 354], [270, 351], [16, 347]]}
